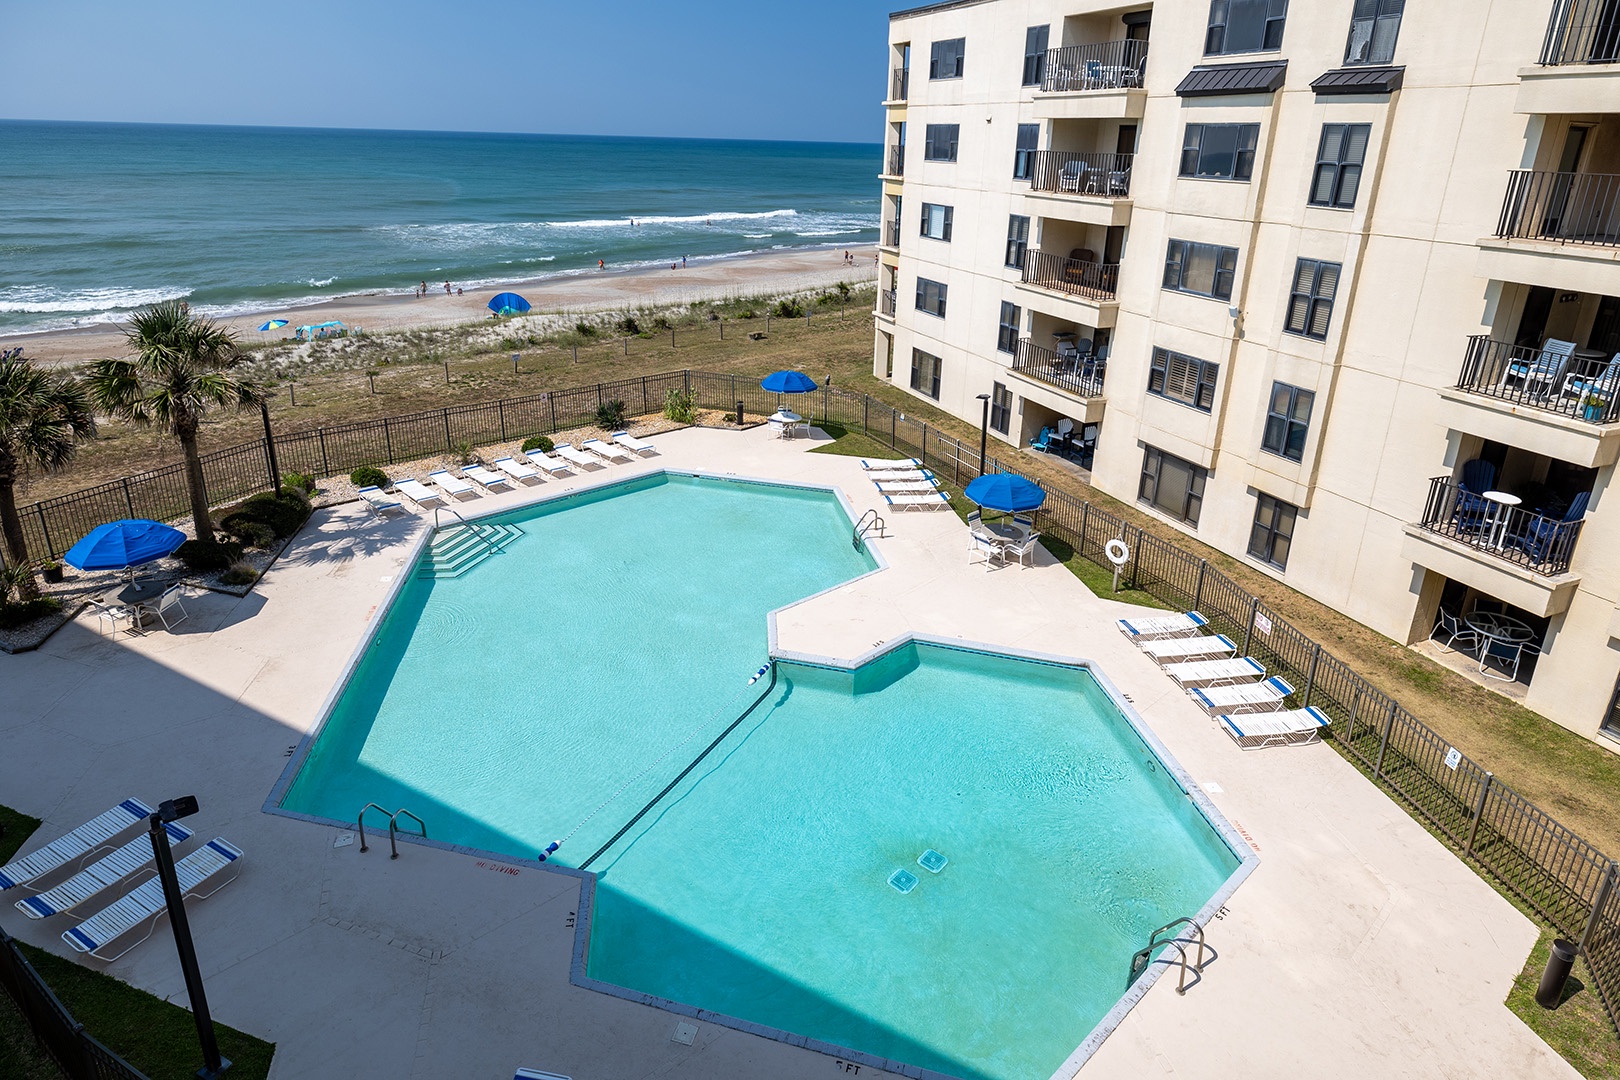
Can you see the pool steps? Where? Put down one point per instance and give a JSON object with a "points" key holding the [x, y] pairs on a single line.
{"points": [[456, 549]]}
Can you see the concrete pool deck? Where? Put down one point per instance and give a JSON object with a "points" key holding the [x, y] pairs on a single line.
{"points": [[1359, 947]]}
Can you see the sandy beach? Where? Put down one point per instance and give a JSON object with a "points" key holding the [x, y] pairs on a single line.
{"points": [[767, 273]]}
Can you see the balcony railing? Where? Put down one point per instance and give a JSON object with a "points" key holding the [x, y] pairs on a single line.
{"points": [[886, 302], [1092, 280], [1582, 32], [1510, 533], [1105, 65], [900, 84], [1571, 208], [1080, 376], [1524, 377], [891, 233], [897, 160], [1100, 175]]}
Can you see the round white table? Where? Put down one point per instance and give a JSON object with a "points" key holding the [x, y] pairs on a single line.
{"points": [[786, 422], [1492, 627], [1504, 502]]}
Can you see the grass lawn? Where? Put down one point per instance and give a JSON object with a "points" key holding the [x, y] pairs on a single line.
{"points": [[156, 1037], [1577, 1028]]}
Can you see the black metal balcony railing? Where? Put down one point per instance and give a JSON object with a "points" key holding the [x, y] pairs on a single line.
{"points": [[1510, 533], [1571, 208], [900, 84], [1092, 280], [1582, 32], [891, 233], [897, 160], [1082, 376], [1524, 376], [1104, 65], [1104, 175], [886, 302]]}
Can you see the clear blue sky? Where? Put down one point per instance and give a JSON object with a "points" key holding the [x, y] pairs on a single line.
{"points": [[698, 68]]}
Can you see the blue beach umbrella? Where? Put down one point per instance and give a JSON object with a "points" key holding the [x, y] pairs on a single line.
{"points": [[1006, 492], [508, 303], [788, 382], [120, 545], [273, 324]]}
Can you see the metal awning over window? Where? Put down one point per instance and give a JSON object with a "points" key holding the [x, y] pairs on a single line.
{"points": [[1359, 80], [1217, 80]]}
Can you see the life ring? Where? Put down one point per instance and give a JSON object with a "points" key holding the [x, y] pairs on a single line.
{"points": [[1117, 552]]}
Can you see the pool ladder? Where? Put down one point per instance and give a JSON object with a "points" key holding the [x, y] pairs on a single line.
{"points": [[474, 529], [869, 520], [1144, 956], [393, 826]]}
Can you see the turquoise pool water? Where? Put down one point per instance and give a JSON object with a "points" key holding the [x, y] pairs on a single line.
{"points": [[506, 705]]}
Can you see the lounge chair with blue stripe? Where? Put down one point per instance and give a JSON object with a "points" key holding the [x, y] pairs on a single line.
{"points": [[100, 875], [550, 464], [612, 453], [92, 836], [637, 446], [909, 464], [913, 485], [380, 504], [937, 500], [453, 486], [418, 492], [145, 904], [568, 453], [486, 479], [1265, 696], [1239, 669], [1171, 650], [516, 469], [1296, 727], [1140, 630]]}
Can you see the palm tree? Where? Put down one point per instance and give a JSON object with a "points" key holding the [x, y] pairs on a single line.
{"points": [[179, 372], [43, 418]]}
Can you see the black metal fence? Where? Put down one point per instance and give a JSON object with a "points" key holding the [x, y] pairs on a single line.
{"points": [[1081, 375], [1566, 207], [897, 160], [1582, 32], [900, 84], [886, 302], [1102, 175], [1510, 533], [1102, 65], [1530, 377], [1077, 277], [74, 1050]]}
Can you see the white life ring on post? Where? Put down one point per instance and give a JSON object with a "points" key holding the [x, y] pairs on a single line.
{"points": [[1117, 552]]}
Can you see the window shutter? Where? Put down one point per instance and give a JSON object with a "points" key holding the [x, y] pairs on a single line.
{"points": [[1298, 314], [1355, 143]]}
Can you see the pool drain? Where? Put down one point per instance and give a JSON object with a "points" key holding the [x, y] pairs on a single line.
{"points": [[932, 861], [903, 881]]}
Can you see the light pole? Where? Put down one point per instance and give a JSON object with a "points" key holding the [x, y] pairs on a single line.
{"points": [[173, 810], [984, 429]]}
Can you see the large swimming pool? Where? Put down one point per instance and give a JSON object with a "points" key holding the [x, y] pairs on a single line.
{"points": [[944, 857]]}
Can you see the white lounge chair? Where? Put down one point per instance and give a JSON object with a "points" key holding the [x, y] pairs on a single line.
{"points": [[380, 504], [550, 464], [568, 453], [1140, 630], [891, 464], [453, 486], [145, 904], [633, 444], [100, 875], [1170, 650], [1231, 669], [489, 480], [93, 835], [908, 485], [1244, 697], [169, 602], [606, 450], [516, 469], [937, 500], [1296, 726], [418, 492]]}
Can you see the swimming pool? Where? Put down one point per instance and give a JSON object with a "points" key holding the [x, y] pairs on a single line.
{"points": [[942, 857]]}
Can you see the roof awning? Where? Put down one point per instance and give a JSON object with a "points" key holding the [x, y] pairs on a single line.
{"points": [[1220, 80], [1359, 80]]}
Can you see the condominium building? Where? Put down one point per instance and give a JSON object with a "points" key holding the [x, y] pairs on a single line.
{"points": [[1333, 287]]}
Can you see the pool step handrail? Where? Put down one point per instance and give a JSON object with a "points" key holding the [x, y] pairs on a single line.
{"points": [[470, 528], [1144, 956], [869, 520], [393, 826]]}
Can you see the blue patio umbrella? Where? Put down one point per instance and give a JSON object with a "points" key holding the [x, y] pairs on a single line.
{"points": [[119, 545], [788, 382], [508, 303], [273, 324], [1007, 492]]}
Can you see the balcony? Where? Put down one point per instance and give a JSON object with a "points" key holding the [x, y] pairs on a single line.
{"points": [[1555, 404], [1074, 276], [1103, 79], [1563, 208], [1508, 533], [899, 84], [1097, 176], [897, 161], [1080, 376], [891, 233], [886, 302], [1582, 32]]}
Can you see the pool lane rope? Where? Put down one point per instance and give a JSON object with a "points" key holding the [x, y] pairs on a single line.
{"points": [[769, 667]]}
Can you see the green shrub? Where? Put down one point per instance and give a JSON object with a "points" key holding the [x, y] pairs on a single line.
{"points": [[661, 323], [680, 406], [247, 532], [585, 329], [284, 513], [747, 313], [207, 554], [301, 481], [369, 476], [628, 325], [610, 415], [462, 451], [788, 308], [12, 615], [239, 573], [540, 443]]}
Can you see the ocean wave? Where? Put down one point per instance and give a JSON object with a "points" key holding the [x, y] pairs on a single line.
{"points": [[319, 284], [449, 236], [41, 300], [671, 219]]}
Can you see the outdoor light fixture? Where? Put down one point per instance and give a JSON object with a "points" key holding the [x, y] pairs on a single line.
{"points": [[173, 810], [984, 429]]}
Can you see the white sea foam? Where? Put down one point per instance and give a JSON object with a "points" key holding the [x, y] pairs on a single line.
{"points": [[672, 219], [42, 299]]}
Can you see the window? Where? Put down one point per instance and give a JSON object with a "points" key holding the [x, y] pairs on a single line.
{"points": [[1017, 240], [1185, 379], [945, 62], [1310, 305], [1172, 485], [1035, 39], [1201, 269], [1338, 165], [925, 373], [936, 221], [1029, 136], [1273, 531], [1242, 26], [1219, 151], [939, 143], [1007, 329], [1374, 25], [1000, 407], [931, 297], [1288, 420]]}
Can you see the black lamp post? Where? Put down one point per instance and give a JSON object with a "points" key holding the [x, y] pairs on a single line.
{"points": [[173, 810], [984, 429]]}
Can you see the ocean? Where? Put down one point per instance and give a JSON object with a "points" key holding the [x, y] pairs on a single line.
{"points": [[99, 219]]}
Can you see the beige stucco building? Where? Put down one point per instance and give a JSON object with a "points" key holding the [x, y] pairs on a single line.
{"points": [[1333, 286]]}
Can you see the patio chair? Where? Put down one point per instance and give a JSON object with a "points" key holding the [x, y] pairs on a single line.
{"points": [[1168, 650], [1294, 727], [485, 478], [1547, 538], [100, 875], [936, 500], [1071, 176], [170, 601], [1043, 441], [1603, 387], [633, 444], [92, 836], [1506, 655], [612, 453], [379, 503], [418, 492], [890, 464], [1547, 369], [1022, 549], [516, 469], [554, 466], [108, 615], [919, 485], [568, 453], [1473, 511], [983, 548], [1243, 697], [1140, 630], [1228, 670], [1452, 627], [145, 905], [453, 486]]}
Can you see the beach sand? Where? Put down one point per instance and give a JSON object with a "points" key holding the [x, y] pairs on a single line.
{"points": [[766, 273]]}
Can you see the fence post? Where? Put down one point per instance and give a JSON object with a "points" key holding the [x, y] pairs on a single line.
{"points": [[129, 500], [722, 329], [1605, 891], [686, 381], [645, 405], [892, 415], [1248, 634], [627, 346], [1085, 519], [500, 407], [446, 416], [1198, 593], [866, 414], [672, 337], [388, 441], [1479, 812], [1310, 677], [1383, 745], [45, 529], [326, 465]]}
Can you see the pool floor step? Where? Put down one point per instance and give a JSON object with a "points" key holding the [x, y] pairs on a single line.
{"points": [[457, 549]]}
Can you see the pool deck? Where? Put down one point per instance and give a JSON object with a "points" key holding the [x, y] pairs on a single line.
{"points": [[1360, 947]]}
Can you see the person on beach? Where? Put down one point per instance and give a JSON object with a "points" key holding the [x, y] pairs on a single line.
{"points": [[600, 265], [424, 288], [683, 262], [447, 288]]}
